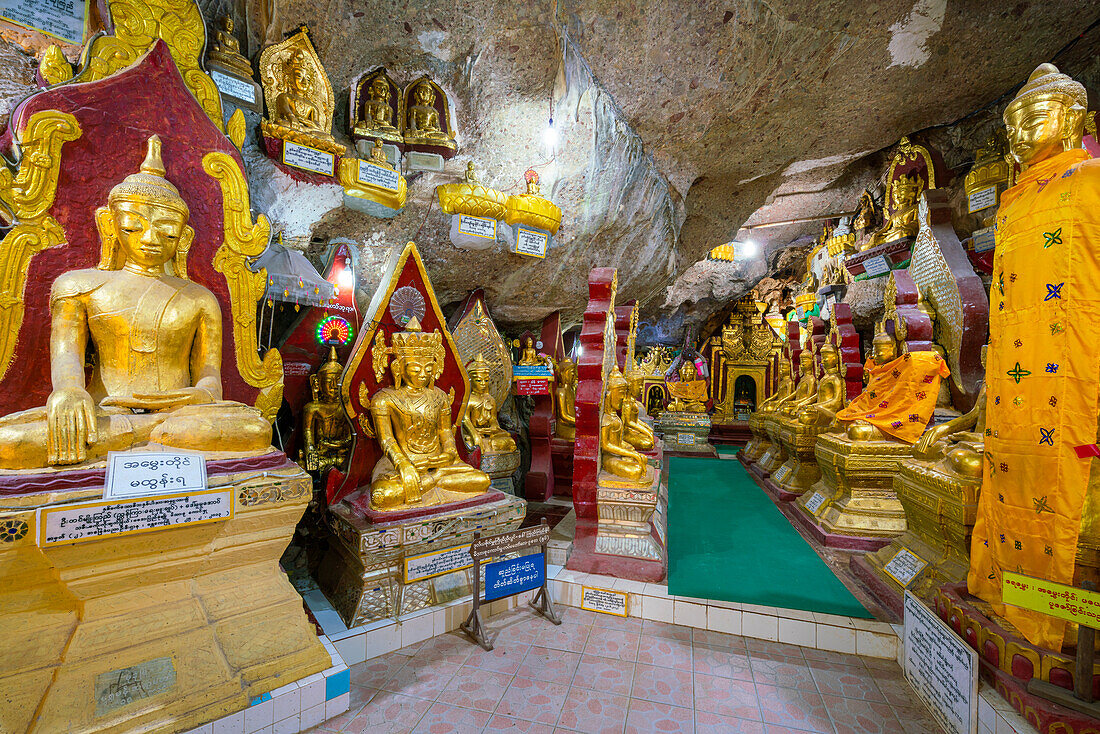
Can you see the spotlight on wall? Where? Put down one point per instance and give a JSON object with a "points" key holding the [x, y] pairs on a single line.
{"points": [[550, 136], [750, 248]]}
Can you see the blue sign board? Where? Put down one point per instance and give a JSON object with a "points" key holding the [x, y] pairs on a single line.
{"points": [[530, 371], [514, 576]]}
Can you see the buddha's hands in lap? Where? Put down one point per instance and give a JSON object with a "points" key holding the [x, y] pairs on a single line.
{"points": [[158, 401], [71, 425], [410, 480]]}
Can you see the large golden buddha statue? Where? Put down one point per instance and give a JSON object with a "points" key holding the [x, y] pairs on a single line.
{"points": [[776, 453], [295, 107], [637, 432], [422, 123], [760, 442], [902, 221], [618, 456], [480, 425], [154, 337], [412, 422], [565, 398], [689, 394], [377, 111], [829, 398], [806, 393], [326, 431], [783, 391]]}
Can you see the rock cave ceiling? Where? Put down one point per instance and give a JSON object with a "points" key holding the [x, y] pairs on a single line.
{"points": [[679, 123]]}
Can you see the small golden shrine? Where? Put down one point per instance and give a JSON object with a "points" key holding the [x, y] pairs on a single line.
{"points": [[475, 209], [298, 128], [429, 125], [654, 365], [230, 70], [740, 359], [375, 108], [534, 220], [373, 186]]}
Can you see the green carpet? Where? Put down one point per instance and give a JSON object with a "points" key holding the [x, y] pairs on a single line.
{"points": [[728, 450], [727, 541]]}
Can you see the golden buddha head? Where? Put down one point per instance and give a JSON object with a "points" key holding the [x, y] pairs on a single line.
{"points": [[904, 191], [145, 220], [424, 94], [417, 357], [883, 347], [298, 73], [479, 371], [379, 90], [634, 379], [615, 389], [687, 371], [567, 372], [806, 361], [529, 343], [227, 24], [1046, 117], [830, 358], [326, 383]]}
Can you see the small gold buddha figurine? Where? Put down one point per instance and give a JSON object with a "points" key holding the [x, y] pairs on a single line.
{"points": [[377, 110], [618, 457], [326, 431], [689, 395], [294, 107], [806, 393], [471, 173], [565, 396], [782, 391], [412, 422], [480, 426], [902, 221], [226, 50], [830, 392], [637, 432], [423, 126], [529, 357], [156, 337]]}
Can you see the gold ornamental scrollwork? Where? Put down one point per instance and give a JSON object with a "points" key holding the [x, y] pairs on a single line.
{"points": [[28, 195], [243, 241], [138, 24]]}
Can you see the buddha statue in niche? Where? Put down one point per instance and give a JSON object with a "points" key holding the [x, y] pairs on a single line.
{"points": [[156, 337], [830, 392], [637, 432], [326, 431], [295, 107], [782, 391], [422, 124], [412, 423], [806, 392], [689, 395], [480, 425], [618, 457], [565, 396], [377, 112], [902, 221], [528, 357], [226, 50]]}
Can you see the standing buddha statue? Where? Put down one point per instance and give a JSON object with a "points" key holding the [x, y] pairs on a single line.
{"points": [[326, 431], [480, 426], [1039, 511], [565, 397], [637, 432], [412, 422], [154, 336], [618, 456]]}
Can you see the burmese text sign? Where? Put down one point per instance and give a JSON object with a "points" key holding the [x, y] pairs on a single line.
{"points": [[514, 576]]}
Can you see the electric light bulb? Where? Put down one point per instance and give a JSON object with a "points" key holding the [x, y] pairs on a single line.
{"points": [[750, 248], [550, 135], [346, 278]]}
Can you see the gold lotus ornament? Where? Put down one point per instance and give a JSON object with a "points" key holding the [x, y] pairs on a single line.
{"points": [[534, 220], [373, 186], [475, 209]]}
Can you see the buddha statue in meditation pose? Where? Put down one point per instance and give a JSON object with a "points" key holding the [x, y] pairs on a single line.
{"points": [[377, 120], [959, 442], [782, 391], [480, 426], [226, 50], [637, 432], [422, 126], [806, 392], [618, 457], [529, 357], [689, 394], [565, 397], [412, 423], [883, 350], [830, 392], [326, 431], [154, 337], [295, 107], [902, 221]]}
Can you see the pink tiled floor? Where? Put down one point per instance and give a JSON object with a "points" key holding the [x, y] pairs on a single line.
{"points": [[601, 674]]}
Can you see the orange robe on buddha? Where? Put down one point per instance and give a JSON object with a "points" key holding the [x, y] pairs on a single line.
{"points": [[900, 396]]}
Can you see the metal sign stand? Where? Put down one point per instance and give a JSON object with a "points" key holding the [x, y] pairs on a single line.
{"points": [[542, 603]]}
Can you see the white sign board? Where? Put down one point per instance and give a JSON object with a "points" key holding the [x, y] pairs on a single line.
{"points": [[144, 473], [984, 239], [437, 563], [308, 159], [81, 521], [477, 226], [814, 503], [685, 439], [380, 176], [905, 566], [941, 668], [604, 601], [876, 266], [63, 19], [982, 199], [233, 87], [781, 473], [529, 242]]}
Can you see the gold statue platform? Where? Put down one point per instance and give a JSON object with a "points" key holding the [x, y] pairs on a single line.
{"points": [[775, 455], [800, 471], [758, 444], [631, 516], [685, 433]]}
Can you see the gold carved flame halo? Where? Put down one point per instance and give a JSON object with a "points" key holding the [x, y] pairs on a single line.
{"points": [[373, 336], [476, 334], [272, 60]]}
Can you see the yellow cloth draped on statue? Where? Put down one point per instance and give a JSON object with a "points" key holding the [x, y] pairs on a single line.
{"points": [[1041, 383], [900, 395], [693, 390]]}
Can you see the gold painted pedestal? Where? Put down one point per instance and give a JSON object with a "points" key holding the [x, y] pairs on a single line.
{"points": [[941, 508], [159, 631], [630, 514], [775, 455], [800, 471], [759, 442], [684, 432], [857, 483], [362, 573], [500, 467]]}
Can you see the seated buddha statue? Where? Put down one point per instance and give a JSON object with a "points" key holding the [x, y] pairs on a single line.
{"points": [[806, 392], [529, 357], [295, 107], [617, 456], [883, 349], [422, 126], [154, 337], [480, 426], [326, 431], [689, 395], [377, 112], [565, 397], [412, 423], [902, 221], [782, 391], [830, 392], [226, 50], [637, 432], [959, 442]]}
